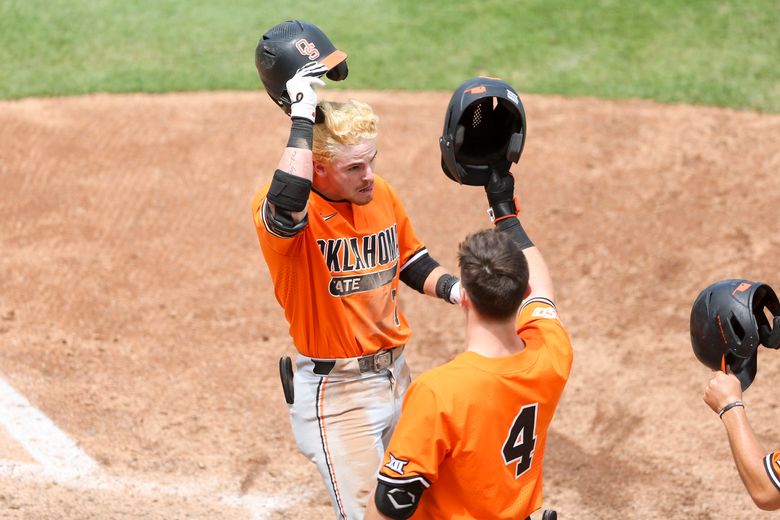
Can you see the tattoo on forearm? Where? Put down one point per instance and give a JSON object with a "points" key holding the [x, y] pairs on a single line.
{"points": [[292, 163]]}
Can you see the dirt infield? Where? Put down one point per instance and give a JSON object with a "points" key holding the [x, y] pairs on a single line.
{"points": [[137, 314]]}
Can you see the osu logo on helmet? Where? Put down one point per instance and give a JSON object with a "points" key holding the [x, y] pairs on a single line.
{"points": [[307, 49], [288, 46]]}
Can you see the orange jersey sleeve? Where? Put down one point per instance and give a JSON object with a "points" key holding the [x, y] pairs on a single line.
{"points": [[474, 430], [337, 279], [538, 323], [772, 466]]}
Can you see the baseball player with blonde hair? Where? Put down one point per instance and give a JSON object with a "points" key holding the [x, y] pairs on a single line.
{"points": [[337, 241]]}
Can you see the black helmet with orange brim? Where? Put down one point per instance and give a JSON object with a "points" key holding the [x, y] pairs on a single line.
{"points": [[288, 46]]}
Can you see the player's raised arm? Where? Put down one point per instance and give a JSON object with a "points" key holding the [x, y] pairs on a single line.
{"points": [[292, 180], [501, 197], [290, 59]]}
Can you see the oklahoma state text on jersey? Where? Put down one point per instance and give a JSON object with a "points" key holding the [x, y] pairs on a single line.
{"points": [[473, 430], [337, 279]]}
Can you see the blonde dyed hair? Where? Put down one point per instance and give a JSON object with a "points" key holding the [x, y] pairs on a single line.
{"points": [[345, 124]]}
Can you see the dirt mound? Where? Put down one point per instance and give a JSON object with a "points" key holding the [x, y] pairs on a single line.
{"points": [[136, 311]]}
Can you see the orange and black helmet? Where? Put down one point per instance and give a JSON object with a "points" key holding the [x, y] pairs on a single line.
{"points": [[484, 131], [728, 323], [288, 46]]}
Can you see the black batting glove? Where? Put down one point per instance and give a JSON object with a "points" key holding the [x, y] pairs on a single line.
{"points": [[500, 192]]}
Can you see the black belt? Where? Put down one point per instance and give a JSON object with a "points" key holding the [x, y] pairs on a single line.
{"points": [[375, 362]]}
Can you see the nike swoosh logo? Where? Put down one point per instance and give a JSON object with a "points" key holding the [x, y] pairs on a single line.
{"points": [[328, 217]]}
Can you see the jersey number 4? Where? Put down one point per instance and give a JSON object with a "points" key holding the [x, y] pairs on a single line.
{"points": [[521, 440]]}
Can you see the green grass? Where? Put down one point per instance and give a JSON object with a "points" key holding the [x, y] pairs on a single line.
{"points": [[718, 52]]}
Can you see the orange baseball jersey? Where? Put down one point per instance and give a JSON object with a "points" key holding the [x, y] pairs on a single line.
{"points": [[473, 430], [337, 279], [772, 466]]}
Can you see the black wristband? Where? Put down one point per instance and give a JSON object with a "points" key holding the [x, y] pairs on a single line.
{"points": [[514, 229], [504, 209], [444, 286], [729, 407], [301, 133]]}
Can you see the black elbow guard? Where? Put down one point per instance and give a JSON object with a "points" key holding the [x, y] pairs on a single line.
{"points": [[416, 270], [282, 224], [398, 501], [289, 192]]}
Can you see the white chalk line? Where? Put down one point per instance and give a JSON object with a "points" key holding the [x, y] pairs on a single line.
{"points": [[46, 443], [259, 506], [62, 462]]}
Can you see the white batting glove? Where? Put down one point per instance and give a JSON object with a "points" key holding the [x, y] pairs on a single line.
{"points": [[302, 90], [455, 295]]}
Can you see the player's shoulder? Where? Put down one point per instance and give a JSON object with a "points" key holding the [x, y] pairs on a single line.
{"points": [[540, 327]]}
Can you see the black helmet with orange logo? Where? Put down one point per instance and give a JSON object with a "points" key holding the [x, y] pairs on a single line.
{"points": [[729, 321], [288, 46], [484, 131]]}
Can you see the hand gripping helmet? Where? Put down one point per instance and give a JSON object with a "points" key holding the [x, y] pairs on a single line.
{"points": [[484, 130], [287, 47], [728, 322]]}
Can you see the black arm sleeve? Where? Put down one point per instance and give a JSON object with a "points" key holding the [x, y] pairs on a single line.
{"points": [[512, 226], [415, 273], [301, 133]]}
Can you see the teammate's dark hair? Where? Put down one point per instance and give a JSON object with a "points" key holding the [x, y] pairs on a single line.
{"points": [[494, 273]]}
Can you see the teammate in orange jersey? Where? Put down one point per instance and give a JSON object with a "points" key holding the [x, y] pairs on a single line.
{"points": [[337, 240], [728, 324], [471, 438]]}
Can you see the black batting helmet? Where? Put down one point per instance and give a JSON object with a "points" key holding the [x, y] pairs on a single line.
{"points": [[728, 322], [288, 46], [484, 130]]}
